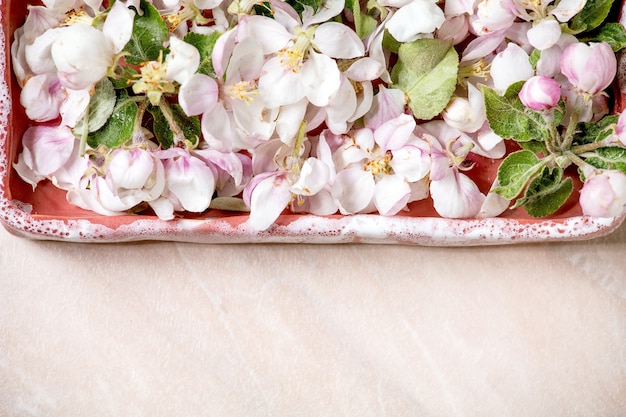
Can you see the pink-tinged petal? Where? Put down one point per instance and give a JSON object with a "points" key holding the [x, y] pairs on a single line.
{"points": [[604, 194], [222, 50], [364, 100], [419, 190], [326, 36], [492, 15], [246, 61], [228, 162], [590, 68], [483, 46], [395, 133], [182, 61], [320, 79], [191, 181], [324, 154], [130, 168], [118, 26], [270, 34], [263, 156], [25, 172], [488, 143], [207, 4], [549, 64], [314, 176], [456, 196], [268, 200], [198, 95], [388, 104], [392, 195], [46, 149], [411, 163], [540, 93], [254, 119], [454, 29], [279, 85], [42, 97], [353, 190]]}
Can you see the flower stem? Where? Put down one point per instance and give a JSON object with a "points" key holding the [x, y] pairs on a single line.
{"points": [[179, 136], [568, 138]]}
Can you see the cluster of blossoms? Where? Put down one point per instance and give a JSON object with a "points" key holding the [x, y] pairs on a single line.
{"points": [[320, 106]]}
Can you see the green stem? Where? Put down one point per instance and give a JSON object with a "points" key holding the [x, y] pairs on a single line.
{"points": [[141, 110], [553, 139], [580, 149], [568, 138], [83, 136], [179, 136]]}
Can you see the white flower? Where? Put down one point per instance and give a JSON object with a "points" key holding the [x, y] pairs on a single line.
{"points": [[417, 18]]}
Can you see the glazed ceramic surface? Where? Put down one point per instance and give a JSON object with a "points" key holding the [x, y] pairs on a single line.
{"points": [[45, 214]]}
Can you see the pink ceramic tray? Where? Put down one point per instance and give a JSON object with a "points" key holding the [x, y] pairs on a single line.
{"points": [[45, 214]]}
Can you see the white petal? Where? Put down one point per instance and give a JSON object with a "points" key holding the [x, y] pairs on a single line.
{"points": [[566, 9], [326, 39], [353, 190], [271, 35], [118, 26], [510, 66], [456, 196], [417, 17], [314, 176], [320, 79], [268, 200], [392, 194], [279, 85], [191, 181], [182, 61], [395, 133], [545, 34], [411, 163]]}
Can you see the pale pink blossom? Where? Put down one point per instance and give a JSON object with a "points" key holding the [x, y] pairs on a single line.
{"points": [[540, 93], [604, 194], [590, 68]]}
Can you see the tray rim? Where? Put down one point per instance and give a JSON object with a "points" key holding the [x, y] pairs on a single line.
{"points": [[17, 218]]}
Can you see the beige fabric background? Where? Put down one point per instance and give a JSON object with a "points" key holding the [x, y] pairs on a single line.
{"points": [[171, 329]]}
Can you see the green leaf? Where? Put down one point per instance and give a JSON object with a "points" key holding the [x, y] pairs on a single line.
{"points": [[364, 24], [299, 5], [427, 72], [515, 171], [594, 131], [535, 146], [101, 104], [149, 34], [190, 126], [591, 16], [509, 118], [612, 33], [534, 57], [390, 43], [204, 44], [546, 193], [613, 157], [120, 126]]}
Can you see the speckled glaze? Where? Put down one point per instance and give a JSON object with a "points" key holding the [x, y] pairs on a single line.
{"points": [[45, 214]]}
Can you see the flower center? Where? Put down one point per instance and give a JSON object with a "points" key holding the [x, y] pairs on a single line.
{"points": [[152, 81], [75, 17], [379, 165], [292, 57], [242, 90]]}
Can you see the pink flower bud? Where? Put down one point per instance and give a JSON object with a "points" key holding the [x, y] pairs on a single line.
{"points": [[590, 68], [540, 93], [604, 194]]}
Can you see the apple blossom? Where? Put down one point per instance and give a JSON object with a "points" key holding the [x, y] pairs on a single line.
{"points": [[540, 93], [604, 194], [589, 67], [509, 66]]}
